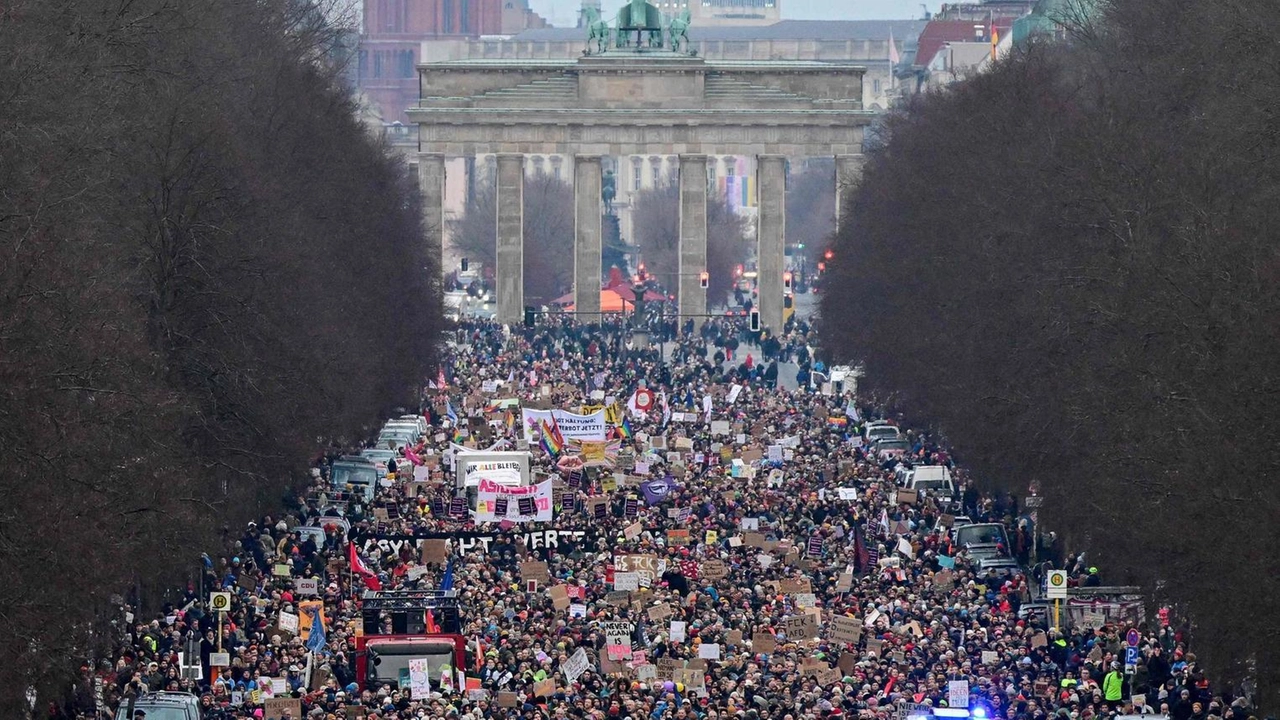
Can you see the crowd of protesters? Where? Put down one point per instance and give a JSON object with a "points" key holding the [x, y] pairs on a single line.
{"points": [[821, 535]]}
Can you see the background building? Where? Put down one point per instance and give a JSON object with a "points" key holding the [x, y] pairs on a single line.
{"points": [[394, 32]]}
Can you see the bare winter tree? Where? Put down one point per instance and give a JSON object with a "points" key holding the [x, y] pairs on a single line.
{"points": [[1082, 293], [208, 264], [548, 234], [656, 222]]}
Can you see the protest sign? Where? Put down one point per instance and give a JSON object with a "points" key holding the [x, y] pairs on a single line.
{"points": [[846, 629], [277, 708]]}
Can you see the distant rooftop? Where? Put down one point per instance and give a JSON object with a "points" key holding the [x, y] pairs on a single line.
{"points": [[783, 30]]}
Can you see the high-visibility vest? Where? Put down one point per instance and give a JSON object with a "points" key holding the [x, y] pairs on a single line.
{"points": [[1112, 686]]}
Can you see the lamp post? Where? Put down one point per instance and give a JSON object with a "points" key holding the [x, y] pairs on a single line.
{"points": [[639, 335]]}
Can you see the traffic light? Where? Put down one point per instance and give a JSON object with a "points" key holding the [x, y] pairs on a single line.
{"points": [[465, 264], [528, 315], [754, 322], [704, 279], [829, 254], [822, 267], [786, 281]]}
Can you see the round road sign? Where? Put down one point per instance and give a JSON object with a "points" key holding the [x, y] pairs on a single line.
{"points": [[1057, 584], [1132, 637]]}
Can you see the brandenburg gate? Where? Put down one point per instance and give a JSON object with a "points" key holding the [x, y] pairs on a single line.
{"points": [[630, 95]]}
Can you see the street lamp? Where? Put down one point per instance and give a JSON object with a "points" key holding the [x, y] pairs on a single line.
{"points": [[639, 335]]}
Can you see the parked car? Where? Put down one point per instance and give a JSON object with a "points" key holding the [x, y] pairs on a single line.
{"points": [[354, 474], [398, 436], [887, 449], [881, 430], [379, 456], [162, 706], [1002, 566], [983, 540]]}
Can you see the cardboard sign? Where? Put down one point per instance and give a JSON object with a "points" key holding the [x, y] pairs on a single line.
{"points": [[764, 643], [435, 551], [845, 583], [715, 569], [794, 586], [275, 708], [801, 627], [535, 570], [678, 537], [846, 629], [875, 646], [910, 497], [828, 676], [545, 688], [507, 699], [658, 613]]}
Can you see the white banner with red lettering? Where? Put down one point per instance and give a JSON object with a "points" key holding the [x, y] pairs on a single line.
{"points": [[496, 503]]}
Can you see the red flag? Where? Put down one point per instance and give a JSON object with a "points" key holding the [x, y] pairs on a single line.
{"points": [[358, 567], [433, 628]]}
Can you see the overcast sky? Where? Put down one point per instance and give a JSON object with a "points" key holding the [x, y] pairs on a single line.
{"points": [[564, 12]]}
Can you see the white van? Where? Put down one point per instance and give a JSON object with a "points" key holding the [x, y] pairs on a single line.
{"points": [[880, 430], [932, 479]]}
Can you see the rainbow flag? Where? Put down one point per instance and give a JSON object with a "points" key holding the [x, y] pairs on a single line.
{"points": [[552, 443], [624, 428], [457, 435], [837, 421]]}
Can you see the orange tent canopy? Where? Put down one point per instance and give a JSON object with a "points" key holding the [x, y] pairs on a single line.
{"points": [[610, 301]]}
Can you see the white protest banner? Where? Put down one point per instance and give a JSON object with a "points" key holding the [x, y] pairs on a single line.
{"points": [[847, 493], [496, 502], [572, 425], [709, 651], [733, 394], [677, 631], [575, 666], [719, 427], [508, 468]]}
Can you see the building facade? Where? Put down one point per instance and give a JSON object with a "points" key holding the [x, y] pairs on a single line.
{"points": [[394, 31]]}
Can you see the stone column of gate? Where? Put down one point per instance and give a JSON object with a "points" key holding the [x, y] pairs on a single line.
{"points": [[588, 234], [431, 185], [693, 236], [509, 273], [771, 185], [848, 175]]}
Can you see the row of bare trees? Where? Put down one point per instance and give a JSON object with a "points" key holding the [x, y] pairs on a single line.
{"points": [[1069, 265], [208, 265]]}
